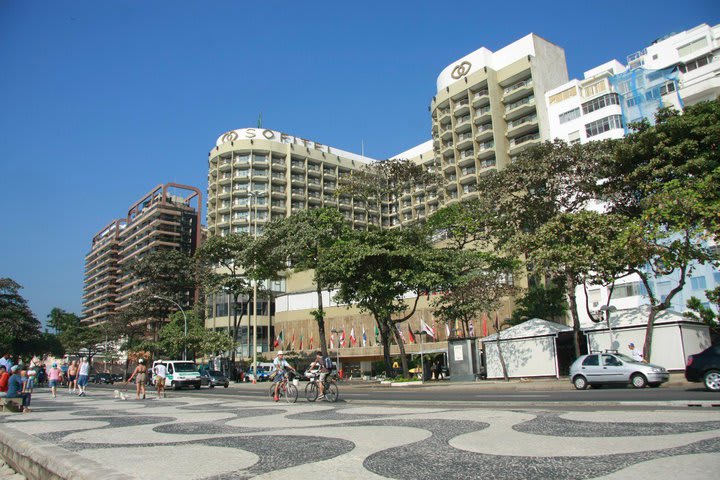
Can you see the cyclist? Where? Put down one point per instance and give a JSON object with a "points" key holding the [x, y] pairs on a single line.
{"points": [[280, 365], [321, 366]]}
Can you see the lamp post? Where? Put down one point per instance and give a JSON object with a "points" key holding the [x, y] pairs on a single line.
{"points": [[253, 196], [608, 309], [184, 317], [337, 352], [422, 362]]}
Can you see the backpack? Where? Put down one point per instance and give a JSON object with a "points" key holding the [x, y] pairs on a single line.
{"points": [[327, 361]]}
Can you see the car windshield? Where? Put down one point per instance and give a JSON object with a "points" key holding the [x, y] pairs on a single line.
{"points": [[185, 367], [625, 358]]}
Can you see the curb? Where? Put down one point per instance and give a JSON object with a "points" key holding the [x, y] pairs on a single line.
{"points": [[31, 457]]}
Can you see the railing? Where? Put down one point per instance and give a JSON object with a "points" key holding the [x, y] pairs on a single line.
{"points": [[517, 86], [525, 138], [522, 120], [523, 101]]}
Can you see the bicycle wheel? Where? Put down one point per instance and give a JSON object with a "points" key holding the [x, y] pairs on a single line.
{"points": [[311, 392], [291, 393], [331, 392]]}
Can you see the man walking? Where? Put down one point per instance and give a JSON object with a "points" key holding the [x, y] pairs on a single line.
{"points": [[83, 375], [160, 375]]}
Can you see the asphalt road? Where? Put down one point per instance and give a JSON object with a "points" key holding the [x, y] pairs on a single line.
{"points": [[486, 395]]}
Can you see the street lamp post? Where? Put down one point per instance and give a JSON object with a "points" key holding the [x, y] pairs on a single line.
{"points": [[184, 317], [422, 362], [253, 196], [608, 309], [337, 351]]}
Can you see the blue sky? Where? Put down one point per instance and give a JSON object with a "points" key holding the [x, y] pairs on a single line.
{"points": [[102, 100]]}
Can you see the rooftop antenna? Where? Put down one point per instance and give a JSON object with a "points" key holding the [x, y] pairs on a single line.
{"points": [[260, 120]]}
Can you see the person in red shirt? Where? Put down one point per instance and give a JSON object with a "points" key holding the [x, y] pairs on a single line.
{"points": [[4, 376]]}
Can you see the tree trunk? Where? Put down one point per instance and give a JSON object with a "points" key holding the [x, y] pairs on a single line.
{"points": [[320, 319], [572, 300], [385, 340], [502, 359], [401, 346]]}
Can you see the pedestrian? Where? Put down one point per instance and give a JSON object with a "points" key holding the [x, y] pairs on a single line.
{"points": [[160, 371], [140, 375], [6, 360], [83, 375], [54, 378], [16, 389], [4, 378], [72, 376], [635, 353], [437, 369]]}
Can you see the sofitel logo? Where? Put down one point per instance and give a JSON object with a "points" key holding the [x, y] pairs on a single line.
{"points": [[229, 137], [461, 70]]}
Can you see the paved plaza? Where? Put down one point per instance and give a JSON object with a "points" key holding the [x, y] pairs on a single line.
{"points": [[207, 437]]}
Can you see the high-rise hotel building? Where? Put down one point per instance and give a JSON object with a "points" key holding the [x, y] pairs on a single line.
{"points": [[484, 113], [167, 217]]}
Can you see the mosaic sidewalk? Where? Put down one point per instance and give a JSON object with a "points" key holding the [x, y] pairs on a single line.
{"points": [[193, 437]]}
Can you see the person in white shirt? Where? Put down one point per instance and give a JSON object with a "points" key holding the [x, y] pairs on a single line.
{"points": [[635, 353], [83, 376], [160, 372], [280, 365]]}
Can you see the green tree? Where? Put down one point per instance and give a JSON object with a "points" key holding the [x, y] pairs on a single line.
{"points": [[173, 341], [374, 270], [304, 238], [76, 337], [706, 314], [18, 324], [538, 301]]}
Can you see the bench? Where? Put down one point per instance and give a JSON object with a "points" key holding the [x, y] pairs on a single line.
{"points": [[11, 404]]}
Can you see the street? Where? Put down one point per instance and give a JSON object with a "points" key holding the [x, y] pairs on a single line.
{"points": [[240, 433]]}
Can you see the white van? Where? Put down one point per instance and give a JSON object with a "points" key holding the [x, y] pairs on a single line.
{"points": [[180, 373]]}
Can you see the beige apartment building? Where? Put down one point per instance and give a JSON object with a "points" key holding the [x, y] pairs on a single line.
{"points": [[167, 217], [489, 106]]}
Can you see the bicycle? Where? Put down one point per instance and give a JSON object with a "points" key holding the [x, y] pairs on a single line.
{"points": [[329, 388], [286, 389]]}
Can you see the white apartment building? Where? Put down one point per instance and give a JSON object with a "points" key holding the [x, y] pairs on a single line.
{"points": [[677, 70]]}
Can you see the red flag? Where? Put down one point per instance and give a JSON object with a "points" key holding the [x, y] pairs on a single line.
{"points": [[342, 338], [411, 337], [311, 342], [484, 325], [353, 340]]}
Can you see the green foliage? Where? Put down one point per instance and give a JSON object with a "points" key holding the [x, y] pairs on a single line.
{"points": [[77, 338], [465, 223], [706, 314], [538, 301], [199, 340], [18, 324]]}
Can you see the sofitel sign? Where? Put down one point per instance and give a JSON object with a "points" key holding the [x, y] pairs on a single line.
{"points": [[260, 133]]}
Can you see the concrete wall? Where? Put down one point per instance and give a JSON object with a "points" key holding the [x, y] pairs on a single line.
{"points": [[526, 357]]}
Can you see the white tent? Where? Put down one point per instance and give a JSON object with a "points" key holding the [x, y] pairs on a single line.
{"points": [[675, 336], [529, 349]]}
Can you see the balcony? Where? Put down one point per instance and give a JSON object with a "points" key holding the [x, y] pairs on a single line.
{"points": [[449, 164], [465, 119], [467, 174], [519, 144], [446, 131], [482, 115], [486, 150], [464, 140], [522, 125], [481, 98], [462, 107], [520, 108], [467, 157], [278, 177], [488, 163], [484, 132], [443, 112], [517, 90]]}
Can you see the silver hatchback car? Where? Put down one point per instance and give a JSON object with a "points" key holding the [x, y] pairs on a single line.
{"points": [[615, 368]]}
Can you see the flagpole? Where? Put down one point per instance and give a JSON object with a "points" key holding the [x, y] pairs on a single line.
{"points": [[422, 363]]}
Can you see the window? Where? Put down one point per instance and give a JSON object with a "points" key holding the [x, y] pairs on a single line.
{"points": [[591, 361], [697, 63], [600, 102], [611, 361], [569, 115], [564, 95], [669, 87], [595, 88], [628, 290], [692, 47], [716, 277], [603, 125], [698, 283], [574, 137]]}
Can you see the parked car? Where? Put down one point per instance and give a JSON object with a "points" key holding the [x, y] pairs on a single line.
{"points": [[705, 367], [104, 378], [213, 378], [614, 368], [263, 374]]}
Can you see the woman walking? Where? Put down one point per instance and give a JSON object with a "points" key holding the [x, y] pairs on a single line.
{"points": [[54, 377], [140, 376]]}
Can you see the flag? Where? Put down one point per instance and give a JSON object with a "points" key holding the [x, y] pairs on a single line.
{"points": [[364, 337], [353, 340], [332, 341], [426, 328], [377, 335], [301, 342], [278, 340], [311, 341], [292, 342], [484, 325], [497, 323], [342, 338], [401, 334], [447, 330], [411, 337], [471, 328]]}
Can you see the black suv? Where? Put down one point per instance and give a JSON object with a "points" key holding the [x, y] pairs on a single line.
{"points": [[705, 367]]}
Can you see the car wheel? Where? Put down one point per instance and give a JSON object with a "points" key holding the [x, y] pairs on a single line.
{"points": [[211, 385], [580, 382], [711, 379], [197, 386], [227, 386], [638, 380], [175, 386]]}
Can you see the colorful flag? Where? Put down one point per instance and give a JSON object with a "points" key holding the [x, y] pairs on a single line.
{"points": [[292, 342], [426, 328], [447, 330], [471, 328], [364, 337], [402, 337], [411, 337], [332, 341], [377, 335], [301, 342], [484, 325], [278, 340], [342, 338], [311, 341], [353, 340]]}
